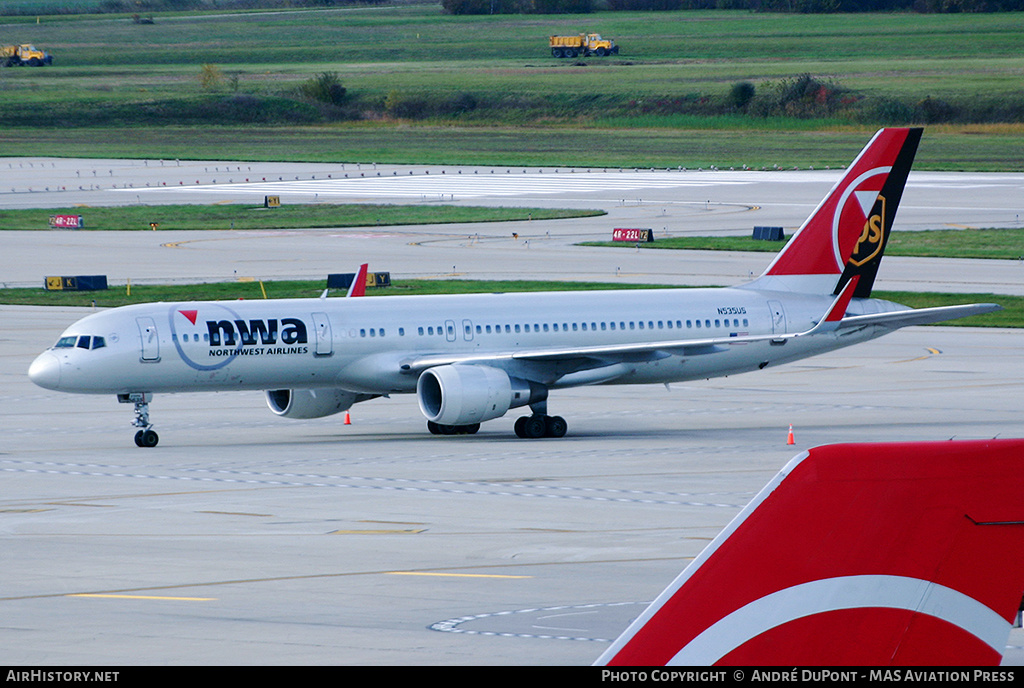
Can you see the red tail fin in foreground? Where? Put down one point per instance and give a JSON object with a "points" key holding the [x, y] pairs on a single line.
{"points": [[847, 232], [857, 554]]}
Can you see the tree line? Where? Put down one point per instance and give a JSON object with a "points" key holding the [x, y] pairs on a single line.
{"points": [[793, 6]]}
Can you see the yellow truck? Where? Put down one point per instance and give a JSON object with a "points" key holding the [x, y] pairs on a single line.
{"points": [[584, 44], [24, 54]]}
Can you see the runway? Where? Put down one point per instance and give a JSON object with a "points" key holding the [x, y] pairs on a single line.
{"points": [[248, 539]]}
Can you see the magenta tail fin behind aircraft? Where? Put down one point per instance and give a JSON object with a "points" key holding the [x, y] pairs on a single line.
{"points": [[855, 554], [846, 234]]}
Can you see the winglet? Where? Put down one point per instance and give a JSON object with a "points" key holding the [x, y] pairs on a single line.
{"points": [[837, 310], [358, 286], [855, 554]]}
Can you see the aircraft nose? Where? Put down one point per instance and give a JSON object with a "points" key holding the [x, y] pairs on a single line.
{"points": [[45, 371]]}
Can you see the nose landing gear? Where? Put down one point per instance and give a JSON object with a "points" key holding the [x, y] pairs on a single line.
{"points": [[146, 436]]}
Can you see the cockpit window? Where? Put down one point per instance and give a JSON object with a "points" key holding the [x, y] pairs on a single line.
{"points": [[83, 341]]}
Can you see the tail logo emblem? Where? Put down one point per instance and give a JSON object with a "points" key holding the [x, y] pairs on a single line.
{"points": [[871, 239]]}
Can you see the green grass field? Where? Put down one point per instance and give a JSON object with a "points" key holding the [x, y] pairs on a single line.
{"points": [[423, 87], [1006, 244], [239, 216], [1011, 316]]}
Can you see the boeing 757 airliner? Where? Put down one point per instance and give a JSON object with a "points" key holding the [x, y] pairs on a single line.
{"points": [[471, 358]]}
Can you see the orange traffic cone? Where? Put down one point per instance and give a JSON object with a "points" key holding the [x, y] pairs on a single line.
{"points": [[348, 418], [789, 439]]}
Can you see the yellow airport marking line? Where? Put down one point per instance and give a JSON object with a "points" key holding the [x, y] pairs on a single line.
{"points": [[143, 597], [932, 351], [451, 575]]}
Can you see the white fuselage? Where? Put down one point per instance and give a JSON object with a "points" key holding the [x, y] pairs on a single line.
{"points": [[362, 344]]}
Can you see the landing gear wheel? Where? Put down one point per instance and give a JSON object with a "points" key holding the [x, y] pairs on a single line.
{"points": [[534, 427], [146, 438], [518, 427], [538, 425], [438, 429], [555, 426]]}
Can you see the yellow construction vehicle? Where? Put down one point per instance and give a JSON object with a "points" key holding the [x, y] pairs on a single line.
{"points": [[584, 44], [24, 54]]}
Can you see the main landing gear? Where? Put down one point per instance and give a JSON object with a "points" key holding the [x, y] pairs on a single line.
{"points": [[146, 436], [540, 425]]}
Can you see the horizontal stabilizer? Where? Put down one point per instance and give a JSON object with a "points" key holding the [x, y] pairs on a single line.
{"points": [[918, 316]]}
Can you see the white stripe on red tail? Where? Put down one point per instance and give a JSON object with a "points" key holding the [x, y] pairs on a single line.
{"points": [[855, 217], [855, 554]]}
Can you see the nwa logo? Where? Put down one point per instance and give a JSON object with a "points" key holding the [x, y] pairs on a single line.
{"points": [[872, 237], [253, 332], [233, 336]]}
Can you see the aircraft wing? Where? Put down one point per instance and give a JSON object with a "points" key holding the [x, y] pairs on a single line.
{"points": [[572, 359], [584, 357]]}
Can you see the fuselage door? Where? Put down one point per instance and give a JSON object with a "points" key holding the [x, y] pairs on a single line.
{"points": [[778, 317], [324, 340], [449, 330], [150, 339], [467, 330]]}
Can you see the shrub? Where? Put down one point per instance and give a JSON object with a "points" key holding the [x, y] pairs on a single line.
{"points": [[324, 88]]}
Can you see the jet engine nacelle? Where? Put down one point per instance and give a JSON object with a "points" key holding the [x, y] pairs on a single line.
{"points": [[310, 403], [467, 394]]}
